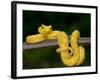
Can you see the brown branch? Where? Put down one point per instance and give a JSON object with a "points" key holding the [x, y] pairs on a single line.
{"points": [[85, 41]]}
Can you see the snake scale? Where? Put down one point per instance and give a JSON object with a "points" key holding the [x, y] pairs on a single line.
{"points": [[71, 55]]}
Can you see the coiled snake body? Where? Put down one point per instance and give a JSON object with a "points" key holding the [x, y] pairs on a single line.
{"points": [[72, 55]]}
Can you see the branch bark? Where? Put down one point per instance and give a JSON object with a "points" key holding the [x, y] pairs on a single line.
{"points": [[84, 41]]}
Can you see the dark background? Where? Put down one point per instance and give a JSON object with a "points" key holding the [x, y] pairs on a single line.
{"points": [[68, 22]]}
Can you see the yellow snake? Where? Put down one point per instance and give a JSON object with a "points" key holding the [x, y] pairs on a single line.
{"points": [[72, 55]]}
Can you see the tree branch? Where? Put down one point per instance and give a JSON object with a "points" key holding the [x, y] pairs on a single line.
{"points": [[84, 41]]}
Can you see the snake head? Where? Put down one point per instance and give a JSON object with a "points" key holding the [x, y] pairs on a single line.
{"points": [[45, 30]]}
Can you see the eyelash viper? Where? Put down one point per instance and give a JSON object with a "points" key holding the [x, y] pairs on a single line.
{"points": [[72, 55]]}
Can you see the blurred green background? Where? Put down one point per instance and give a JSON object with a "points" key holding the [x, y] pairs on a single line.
{"points": [[68, 22]]}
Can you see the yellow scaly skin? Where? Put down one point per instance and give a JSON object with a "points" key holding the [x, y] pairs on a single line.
{"points": [[77, 53], [74, 44], [68, 58], [35, 38]]}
